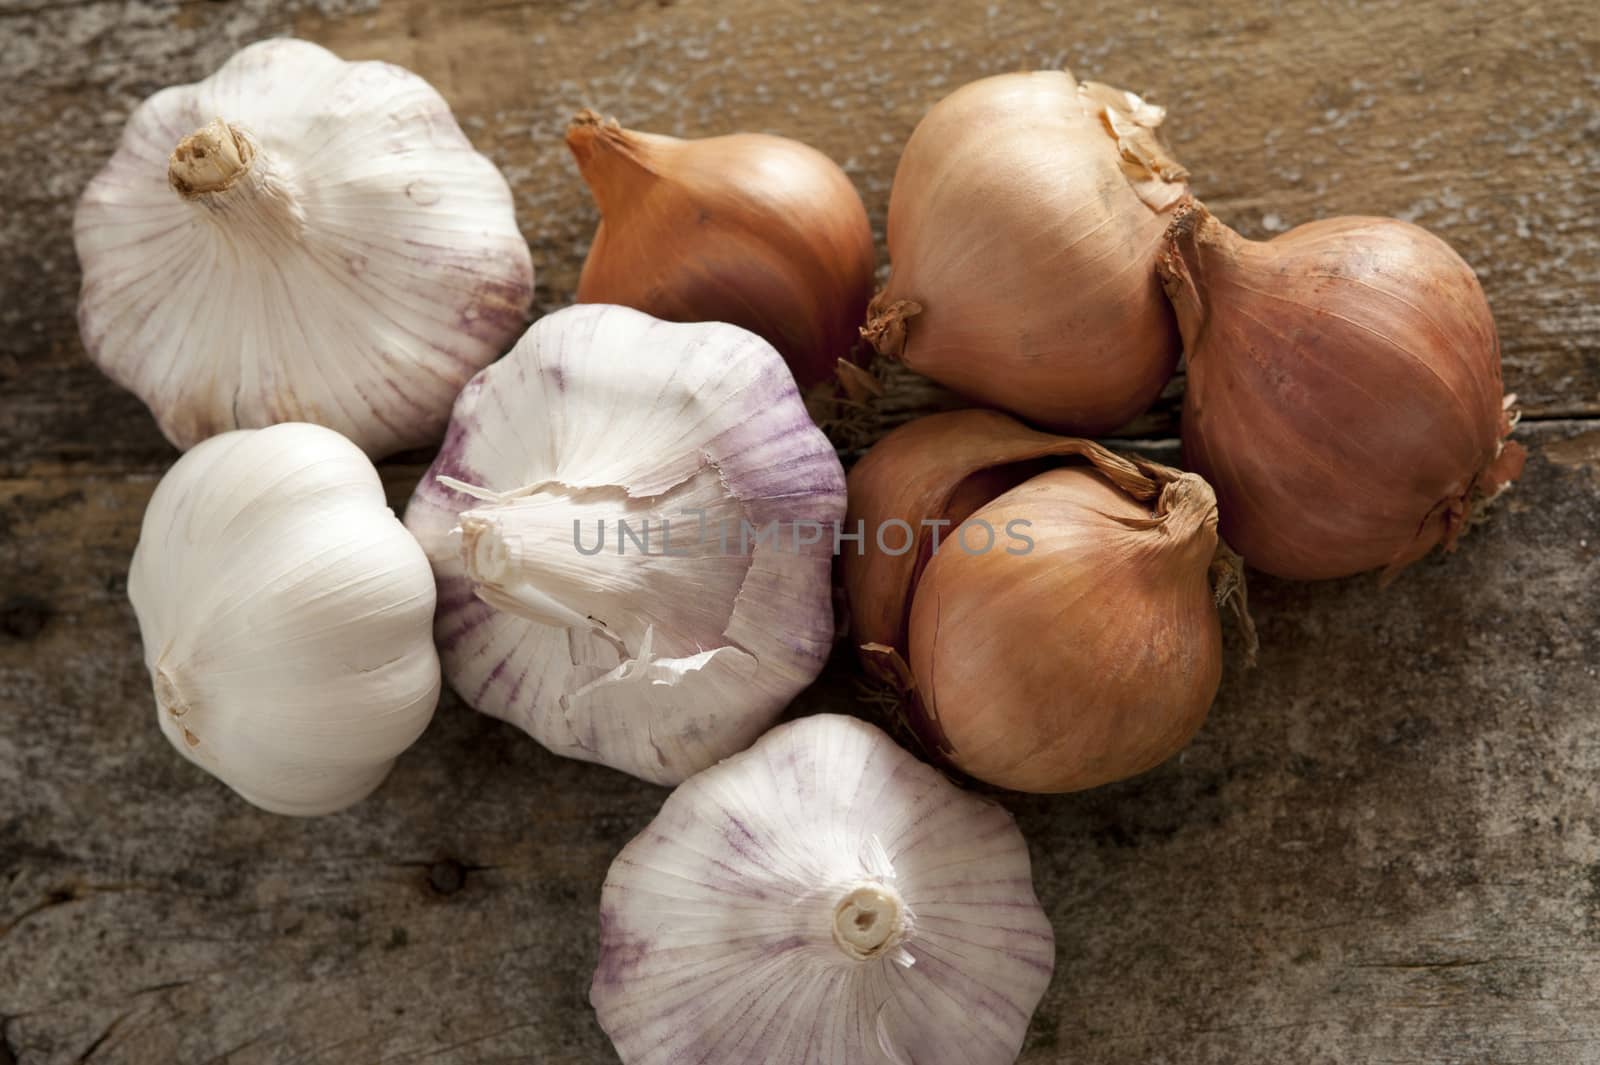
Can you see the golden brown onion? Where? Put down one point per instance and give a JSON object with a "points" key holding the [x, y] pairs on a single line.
{"points": [[759, 231], [1090, 656], [1024, 223], [1344, 393]]}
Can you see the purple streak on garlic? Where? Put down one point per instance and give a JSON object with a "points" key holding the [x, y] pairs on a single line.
{"points": [[822, 899], [655, 665], [298, 238]]}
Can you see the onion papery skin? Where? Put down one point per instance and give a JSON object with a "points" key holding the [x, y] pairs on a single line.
{"points": [[1094, 657], [1090, 657], [1344, 395], [1024, 223], [763, 232]]}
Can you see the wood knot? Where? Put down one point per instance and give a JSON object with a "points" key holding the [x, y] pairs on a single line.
{"points": [[447, 877]]}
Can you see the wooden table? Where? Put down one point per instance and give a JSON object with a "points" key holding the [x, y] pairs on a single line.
{"points": [[1384, 846]]}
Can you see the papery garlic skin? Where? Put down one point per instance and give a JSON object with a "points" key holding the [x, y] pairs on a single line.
{"points": [[286, 618], [822, 899], [1344, 392], [653, 665], [298, 238], [1025, 218]]}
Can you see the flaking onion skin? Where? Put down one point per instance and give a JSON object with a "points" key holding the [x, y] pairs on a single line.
{"points": [[1344, 393], [1030, 670], [1090, 658], [760, 231], [1024, 222]]}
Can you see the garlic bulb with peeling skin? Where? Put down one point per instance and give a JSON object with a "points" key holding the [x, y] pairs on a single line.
{"points": [[611, 649], [298, 238], [286, 618], [822, 899]]}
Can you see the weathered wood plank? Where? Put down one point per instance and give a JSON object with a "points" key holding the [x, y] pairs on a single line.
{"points": [[1383, 845], [1475, 120]]}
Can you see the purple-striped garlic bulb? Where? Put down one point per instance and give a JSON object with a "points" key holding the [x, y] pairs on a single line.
{"points": [[632, 525], [822, 899], [298, 238]]}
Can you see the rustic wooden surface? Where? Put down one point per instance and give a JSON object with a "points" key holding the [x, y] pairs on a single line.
{"points": [[1384, 846]]}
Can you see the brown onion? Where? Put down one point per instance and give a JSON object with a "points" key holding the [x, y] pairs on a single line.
{"points": [[1344, 393], [1024, 223], [1090, 657], [759, 231]]}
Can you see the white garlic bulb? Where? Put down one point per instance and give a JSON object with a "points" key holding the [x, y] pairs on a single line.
{"points": [[298, 238], [286, 616], [822, 899], [607, 648]]}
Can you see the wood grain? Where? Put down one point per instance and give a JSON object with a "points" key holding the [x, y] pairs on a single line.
{"points": [[1384, 846]]}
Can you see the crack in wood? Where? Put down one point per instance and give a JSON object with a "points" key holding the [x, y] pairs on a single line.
{"points": [[58, 897], [100, 1041]]}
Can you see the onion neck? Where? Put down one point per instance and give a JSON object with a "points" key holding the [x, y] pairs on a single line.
{"points": [[615, 162], [1196, 245], [222, 171], [869, 921], [1188, 511]]}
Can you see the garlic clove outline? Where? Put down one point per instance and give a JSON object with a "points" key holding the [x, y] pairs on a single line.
{"points": [[298, 238], [822, 898], [655, 664], [286, 618]]}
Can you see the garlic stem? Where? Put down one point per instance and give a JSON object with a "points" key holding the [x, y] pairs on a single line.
{"points": [[595, 559], [221, 167], [869, 921]]}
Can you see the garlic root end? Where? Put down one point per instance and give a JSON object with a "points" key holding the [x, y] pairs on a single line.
{"points": [[211, 159], [869, 921]]}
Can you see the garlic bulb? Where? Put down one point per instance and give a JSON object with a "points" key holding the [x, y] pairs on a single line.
{"points": [[631, 524], [297, 238], [760, 231], [822, 899], [285, 617]]}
